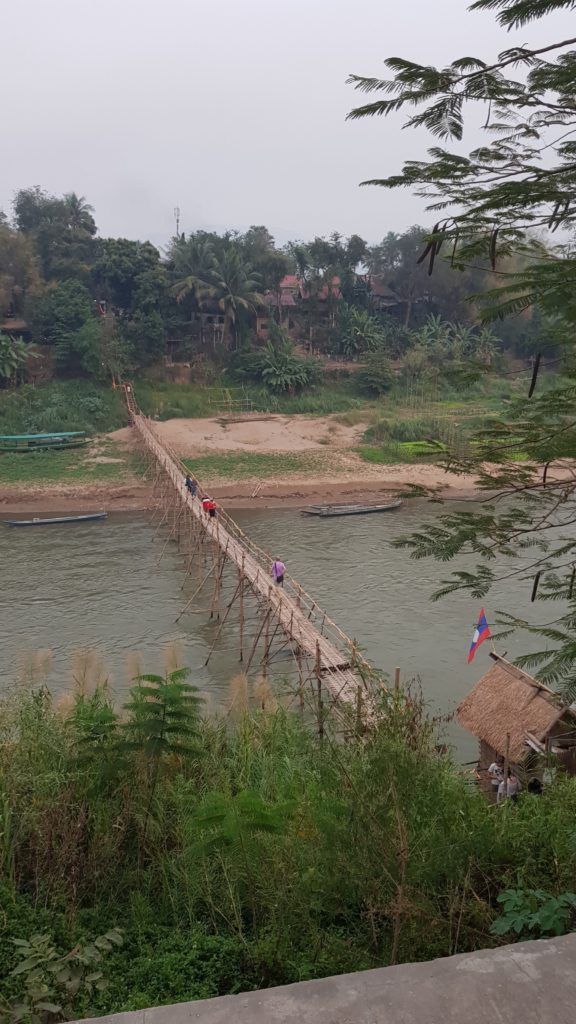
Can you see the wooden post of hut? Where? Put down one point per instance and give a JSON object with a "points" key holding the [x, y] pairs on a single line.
{"points": [[506, 765]]}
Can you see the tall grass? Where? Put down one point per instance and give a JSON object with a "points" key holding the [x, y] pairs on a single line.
{"points": [[247, 854], [61, 405], [166, 400]]}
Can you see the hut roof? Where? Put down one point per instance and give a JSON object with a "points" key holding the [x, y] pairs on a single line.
{"points": [[380, 289], [507, 700], [290, 281]]}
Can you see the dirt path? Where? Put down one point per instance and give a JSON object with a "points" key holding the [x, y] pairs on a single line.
{"points": [[259, 433]]}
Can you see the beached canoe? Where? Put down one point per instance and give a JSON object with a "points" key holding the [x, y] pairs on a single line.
{"points": [[56, 521], [349, 510], [43, 442]]}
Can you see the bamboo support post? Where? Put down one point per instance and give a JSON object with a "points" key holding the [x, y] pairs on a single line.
{"points": [[359, 711], [170, 536], [318, 668], [266, 642], [256, 639], [241, 584], [221, 626], [197, 591]]}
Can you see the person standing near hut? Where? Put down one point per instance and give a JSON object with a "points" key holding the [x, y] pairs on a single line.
{"points": [[496, 773], [509, 788]]}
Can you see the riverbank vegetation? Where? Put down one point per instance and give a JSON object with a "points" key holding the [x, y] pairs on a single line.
{"points": [[243, 853], [235, 307], [61, 405], [404, 426]]}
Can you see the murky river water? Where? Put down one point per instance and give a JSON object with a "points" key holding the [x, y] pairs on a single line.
{"points": [[97, 601]]}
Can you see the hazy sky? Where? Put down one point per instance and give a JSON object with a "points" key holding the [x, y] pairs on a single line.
{"points": [[233, 110]]}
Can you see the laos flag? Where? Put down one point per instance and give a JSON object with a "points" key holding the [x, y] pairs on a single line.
{"points": [[481, 633]]}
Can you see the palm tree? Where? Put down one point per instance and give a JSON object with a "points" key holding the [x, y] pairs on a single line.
{"points": [[194, 261], [79, 213], [235, 287]]}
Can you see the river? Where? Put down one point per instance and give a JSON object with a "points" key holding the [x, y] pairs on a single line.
{"points": [[96, 601]]}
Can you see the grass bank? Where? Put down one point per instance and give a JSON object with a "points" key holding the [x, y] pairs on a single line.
{"points": [[165, 400], [106, 463], [234, 466], [236, 855]]}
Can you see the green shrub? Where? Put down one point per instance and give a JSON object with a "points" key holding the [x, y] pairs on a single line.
{"points": [[161, 964], [375, 377], [275, 365], [393, 452], [533, 913], [61, 405]]}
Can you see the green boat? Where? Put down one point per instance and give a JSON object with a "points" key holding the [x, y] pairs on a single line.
{"points": [[43, 442]]}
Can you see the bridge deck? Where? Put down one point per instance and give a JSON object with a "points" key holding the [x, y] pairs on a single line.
{"points": [[290, 606]]}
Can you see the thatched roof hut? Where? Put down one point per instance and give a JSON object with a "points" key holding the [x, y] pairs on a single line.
{"points": [[507, 700]]}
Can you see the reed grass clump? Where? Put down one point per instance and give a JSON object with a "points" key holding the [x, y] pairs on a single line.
{"points": [[242, 852]]}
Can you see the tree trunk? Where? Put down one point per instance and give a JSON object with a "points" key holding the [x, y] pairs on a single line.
{"points": [[228, 323]]}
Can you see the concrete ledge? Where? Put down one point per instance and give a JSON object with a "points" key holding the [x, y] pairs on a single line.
{"points": [[527, 983]]}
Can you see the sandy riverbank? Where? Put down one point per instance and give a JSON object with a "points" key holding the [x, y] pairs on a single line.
{"points": [[330, 469], [233, 495]]}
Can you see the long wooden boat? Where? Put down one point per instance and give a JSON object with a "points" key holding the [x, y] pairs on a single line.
{"points": [[43, 442], [56, 521], [349, 510]]}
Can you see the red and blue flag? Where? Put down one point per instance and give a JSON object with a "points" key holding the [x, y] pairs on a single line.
{"points": [[481, 633]]}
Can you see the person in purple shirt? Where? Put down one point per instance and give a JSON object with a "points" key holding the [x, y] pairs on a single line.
{"points": [[278, 570]]}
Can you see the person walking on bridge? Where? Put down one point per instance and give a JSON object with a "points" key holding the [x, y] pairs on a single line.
{"points": [[278, 570], [191, 485], [209, 506]]}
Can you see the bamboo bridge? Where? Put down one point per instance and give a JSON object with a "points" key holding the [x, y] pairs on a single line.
{"points": [[330, 670]]}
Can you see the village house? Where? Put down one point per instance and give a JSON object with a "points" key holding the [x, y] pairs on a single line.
{"points": [[299, 309], [381, 298], [515, 716], [208, 324], [281, 307]]}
